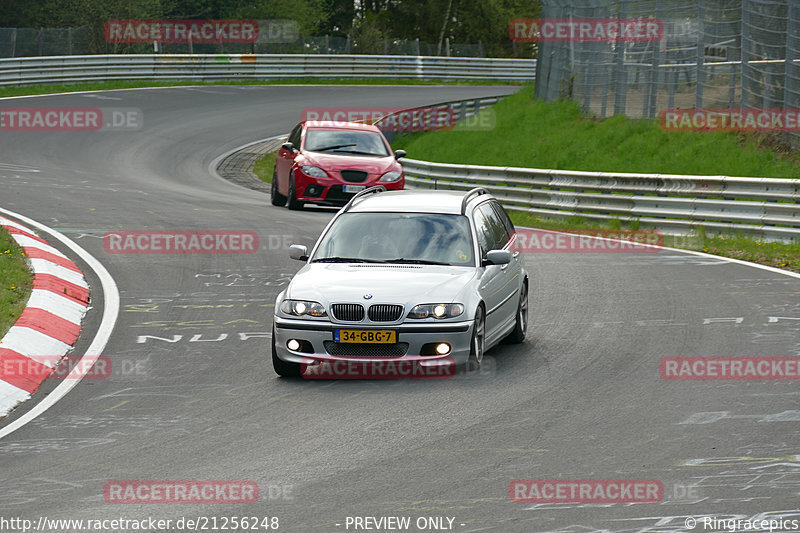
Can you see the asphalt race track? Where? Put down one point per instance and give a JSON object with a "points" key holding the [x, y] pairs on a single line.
{"points": [[581, 399]]}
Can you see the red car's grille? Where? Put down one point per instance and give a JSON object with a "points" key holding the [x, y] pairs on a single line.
{"points": [[354, 176]]}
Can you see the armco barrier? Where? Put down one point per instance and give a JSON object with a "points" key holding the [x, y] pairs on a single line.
{"points": [[209, 67], [764, 207]]}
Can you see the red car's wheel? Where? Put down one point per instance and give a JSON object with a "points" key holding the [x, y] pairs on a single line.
{"points": [[277, 198], [294, 204]]}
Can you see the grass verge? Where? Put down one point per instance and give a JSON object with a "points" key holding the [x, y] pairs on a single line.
{"points": [[532, 133], [265, 165], [109, 85], [16, 281]]}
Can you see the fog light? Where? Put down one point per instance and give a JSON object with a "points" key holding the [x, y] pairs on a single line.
{"points": [[314, 190], [293, 345], [443, 348]]}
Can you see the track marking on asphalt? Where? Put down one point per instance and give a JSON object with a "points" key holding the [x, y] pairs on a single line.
{"points": [[100, 97], [99, 91], [17, 168], [120, 404], [111, 304]]}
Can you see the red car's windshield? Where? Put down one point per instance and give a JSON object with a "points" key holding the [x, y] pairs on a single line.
{"points": [[346, 141]]}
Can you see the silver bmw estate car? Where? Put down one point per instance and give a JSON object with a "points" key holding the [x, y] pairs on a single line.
{"points": [[415, 275]]}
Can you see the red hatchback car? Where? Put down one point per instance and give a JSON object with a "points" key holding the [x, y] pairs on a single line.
{"points": [[326, 163]]}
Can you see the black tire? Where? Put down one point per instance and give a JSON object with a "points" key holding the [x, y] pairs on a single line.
{"points": [[293, 204], [277, 198], [517, 334], [283, 368], [478, 342]]}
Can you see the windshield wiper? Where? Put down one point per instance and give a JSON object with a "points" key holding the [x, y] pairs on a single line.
{"points": [[415, 261], [361, 153], [345, 260], [333, 147]]}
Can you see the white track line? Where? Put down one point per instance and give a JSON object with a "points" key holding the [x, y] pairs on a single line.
{"points": [[691, 252], [233, 85], [95, 349]]}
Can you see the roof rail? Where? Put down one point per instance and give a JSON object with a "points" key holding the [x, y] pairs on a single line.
{"points": [[371, 190], [477, 191]]}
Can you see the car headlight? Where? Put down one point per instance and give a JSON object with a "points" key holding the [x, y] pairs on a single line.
{"points": [[394, 175], [314, 172], [436, 311], [303, 308]]}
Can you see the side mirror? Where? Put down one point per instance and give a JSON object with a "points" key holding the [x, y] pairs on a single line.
{"points": [[299, 252], [498, 257], [399, 153], [289, 147]]}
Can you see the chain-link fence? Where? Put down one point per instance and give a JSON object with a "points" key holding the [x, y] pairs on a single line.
{"points": [[707, 54], [26, 42]]}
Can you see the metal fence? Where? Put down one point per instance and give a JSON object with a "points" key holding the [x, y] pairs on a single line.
{"points": [[69, 69], [28, 42], [713, 54]]}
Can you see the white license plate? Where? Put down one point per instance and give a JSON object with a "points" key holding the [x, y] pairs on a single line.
{"points": [[354, 188]]}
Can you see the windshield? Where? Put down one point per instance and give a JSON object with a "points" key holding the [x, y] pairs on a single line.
{"points": [[346, 141], [417, 238]]}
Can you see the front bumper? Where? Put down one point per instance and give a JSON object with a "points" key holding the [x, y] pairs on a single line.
{"points": [[316, 333], [331, 193]]}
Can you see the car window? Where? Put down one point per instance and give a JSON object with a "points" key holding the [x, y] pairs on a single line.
{"points": [[503, 216], [410, 237], [294, 137], [484, 232], [345, 142], [497, 230]]}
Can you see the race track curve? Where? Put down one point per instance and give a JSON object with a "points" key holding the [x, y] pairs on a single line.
{"points": [[581, 399]]}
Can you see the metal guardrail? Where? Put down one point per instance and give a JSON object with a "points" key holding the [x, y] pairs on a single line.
{"points": [[209, 67], [764, 207]]}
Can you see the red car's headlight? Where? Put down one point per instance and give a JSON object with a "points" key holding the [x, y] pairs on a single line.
{"points": [[314, 172], [394, 175]]}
